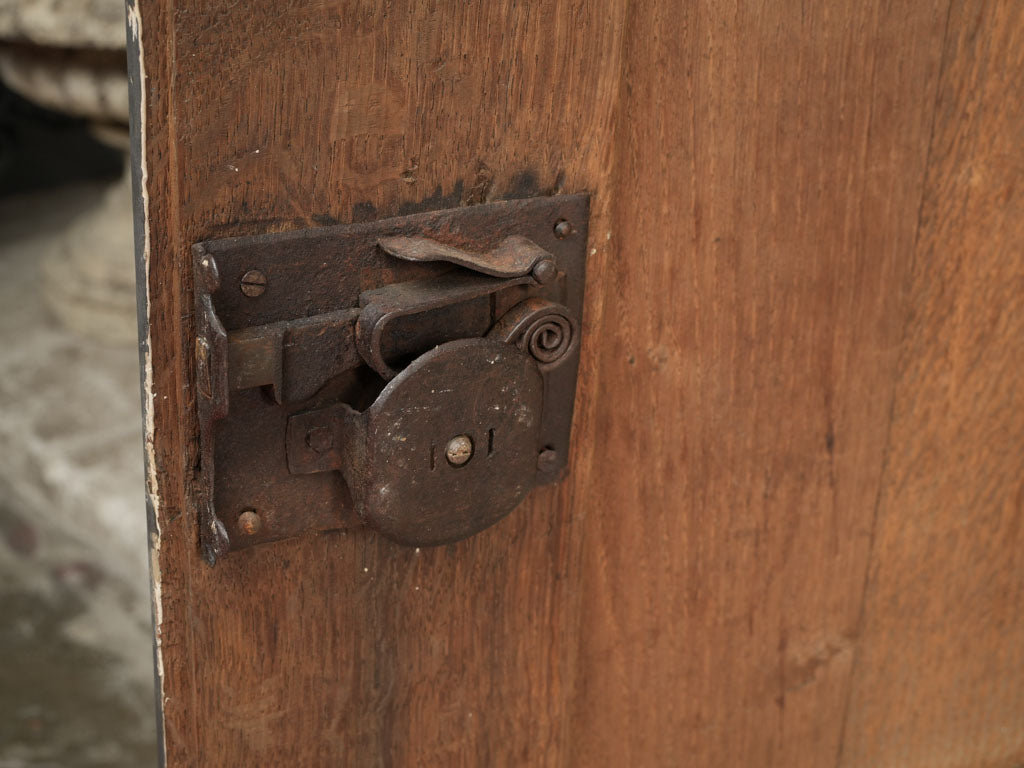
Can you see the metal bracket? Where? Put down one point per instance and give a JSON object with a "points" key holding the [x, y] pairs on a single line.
{"points": [[452, 330]]}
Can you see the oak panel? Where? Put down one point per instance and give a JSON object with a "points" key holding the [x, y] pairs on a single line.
{"points": [[343, 649], [770, 163], [940, 673]]}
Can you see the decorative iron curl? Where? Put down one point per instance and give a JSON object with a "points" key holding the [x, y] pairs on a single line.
{"points": [[543, 329]]}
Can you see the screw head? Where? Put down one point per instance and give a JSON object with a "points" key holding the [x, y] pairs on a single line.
{"points": [[459, 450], [320, 439], [547, 460], [563, 229], [249, 522], [254, 283]]}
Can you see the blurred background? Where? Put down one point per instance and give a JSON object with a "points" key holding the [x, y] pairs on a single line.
{"points": [[76, 679]]}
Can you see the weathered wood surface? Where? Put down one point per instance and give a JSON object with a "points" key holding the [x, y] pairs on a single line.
{"points": [[765, 203], [345, 649], [939, 679], [797, 396]]}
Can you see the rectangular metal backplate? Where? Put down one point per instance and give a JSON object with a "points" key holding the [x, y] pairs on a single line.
{"points": [[276, 325]]}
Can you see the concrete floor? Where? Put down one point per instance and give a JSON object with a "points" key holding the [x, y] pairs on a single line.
{"points": [[76, 681]]}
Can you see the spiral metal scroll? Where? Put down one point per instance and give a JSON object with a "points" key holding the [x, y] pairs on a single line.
{"points": [[543, 329]]}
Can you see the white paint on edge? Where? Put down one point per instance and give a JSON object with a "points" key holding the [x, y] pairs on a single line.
{"points": [[152, 482]]}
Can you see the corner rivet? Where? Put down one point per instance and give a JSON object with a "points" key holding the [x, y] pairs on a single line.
{"points": [[249, 522], [320, 439], [547, 460]]}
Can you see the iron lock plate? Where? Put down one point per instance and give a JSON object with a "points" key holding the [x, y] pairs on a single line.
{"points": [[415, 374]]}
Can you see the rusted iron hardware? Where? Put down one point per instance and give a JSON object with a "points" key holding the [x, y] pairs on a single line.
{"points": [[415, 375]]}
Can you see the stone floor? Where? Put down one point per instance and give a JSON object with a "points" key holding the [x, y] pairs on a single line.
{"points": [[76, 682]]}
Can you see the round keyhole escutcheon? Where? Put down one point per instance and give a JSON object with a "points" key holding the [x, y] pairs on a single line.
{"points": [[451, 443]]}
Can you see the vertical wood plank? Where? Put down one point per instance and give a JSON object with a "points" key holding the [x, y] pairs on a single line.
{"points": [[343, 649], [940, 675], [770, 166]]}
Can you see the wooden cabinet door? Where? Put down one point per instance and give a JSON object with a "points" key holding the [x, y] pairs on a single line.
{"points": [[792, 533]]}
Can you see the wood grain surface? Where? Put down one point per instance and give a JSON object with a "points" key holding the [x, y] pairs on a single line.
{"points": [[765, 200], [345, 649], [939, 678], [792, 529]]}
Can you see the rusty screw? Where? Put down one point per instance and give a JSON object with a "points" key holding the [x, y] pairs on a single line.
{"points": [[249, 522], [459, 450], [320, 439], [547, 460], [563, 229], [254, 283]]}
